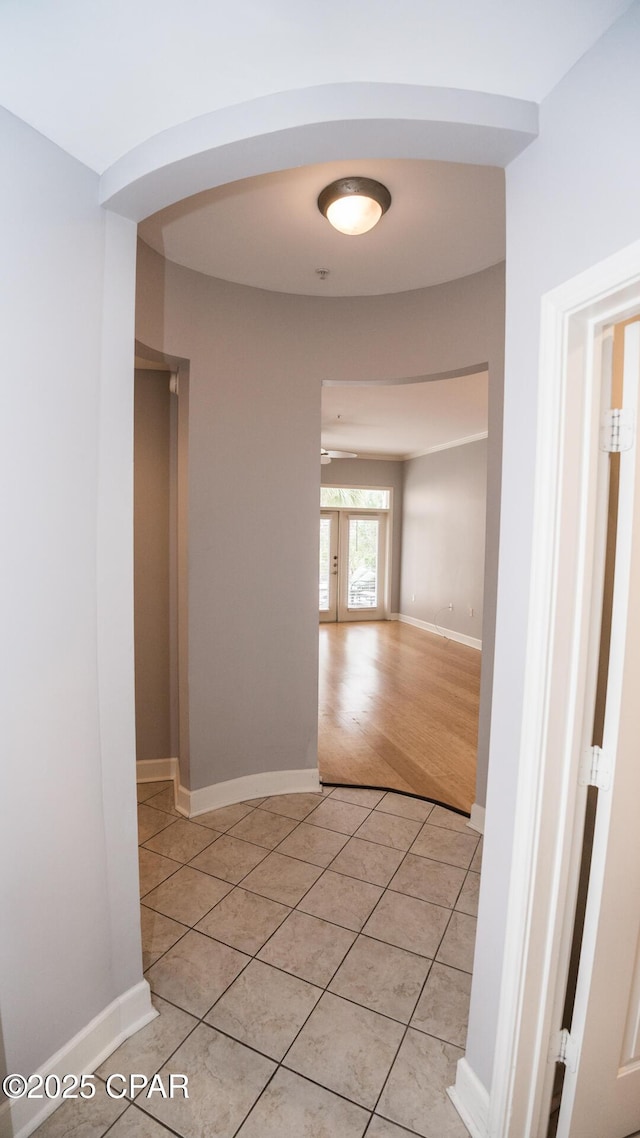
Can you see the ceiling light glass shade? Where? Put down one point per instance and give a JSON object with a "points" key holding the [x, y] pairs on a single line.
{"points": [[354, 205], [354, 215]]}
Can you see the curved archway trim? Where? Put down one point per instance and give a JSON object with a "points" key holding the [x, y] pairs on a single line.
{"points": [[317, 124]]}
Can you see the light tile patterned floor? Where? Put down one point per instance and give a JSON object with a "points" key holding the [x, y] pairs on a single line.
{"points": [[310, 956]]}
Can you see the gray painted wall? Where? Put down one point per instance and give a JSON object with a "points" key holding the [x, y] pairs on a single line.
{"points": [[372, 472], [154, 546], [572, 200], [257, 361], [443, 537], [69, 934]]}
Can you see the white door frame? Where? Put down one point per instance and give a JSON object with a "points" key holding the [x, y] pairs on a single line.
{"points": [[601, 1090], [564, 587]]}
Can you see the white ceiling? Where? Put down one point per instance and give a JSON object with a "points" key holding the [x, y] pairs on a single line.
{"points": [[98, 77], [446, 220], [404, 420]]}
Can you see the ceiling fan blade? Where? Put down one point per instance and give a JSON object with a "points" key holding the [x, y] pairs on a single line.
{"points": [[340, 453]]}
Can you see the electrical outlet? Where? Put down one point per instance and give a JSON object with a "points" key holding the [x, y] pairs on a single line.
{"points": [[450, 606]]}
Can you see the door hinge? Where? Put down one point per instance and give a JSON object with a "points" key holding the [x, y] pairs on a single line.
{"points": [[596, 768], [564, 1049], [617, 430]]}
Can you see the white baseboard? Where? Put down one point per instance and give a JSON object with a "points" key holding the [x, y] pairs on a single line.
{"points": [[182, 799], [81, 1055], [196, 802], [471, 1100], [448, 633], [157, 770], [193, 802], [164, 770], [476, 821]]}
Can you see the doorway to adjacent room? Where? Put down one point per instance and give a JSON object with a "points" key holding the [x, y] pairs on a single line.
{"points": [[353, 569]]}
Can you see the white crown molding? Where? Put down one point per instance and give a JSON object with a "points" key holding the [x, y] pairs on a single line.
{"points": [[362, 456], [448, 446]]}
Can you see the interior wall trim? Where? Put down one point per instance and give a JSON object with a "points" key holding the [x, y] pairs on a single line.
{"points": [[194, 802], [476, 821], [449, 446], [471, 1100], [549, 801], [447, 633], [157, 770], [317, 124], [82, 1054]]}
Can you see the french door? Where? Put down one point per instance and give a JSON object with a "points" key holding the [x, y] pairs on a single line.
{"points": [[353, 557]]}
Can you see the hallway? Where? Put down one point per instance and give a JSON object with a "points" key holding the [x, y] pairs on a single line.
{"points": [[398, 708], [310, 957]]}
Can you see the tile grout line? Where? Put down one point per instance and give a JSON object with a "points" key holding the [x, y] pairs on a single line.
{"points": [[324, 988], [200, 1020], [227, 833], [312, 983], [357, 934], [324, 870]]}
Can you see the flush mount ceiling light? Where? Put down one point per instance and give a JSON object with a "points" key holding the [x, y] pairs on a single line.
{"points": [[354, 205]]}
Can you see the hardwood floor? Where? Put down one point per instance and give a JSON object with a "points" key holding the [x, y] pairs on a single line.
{"points": [[399, 709]]}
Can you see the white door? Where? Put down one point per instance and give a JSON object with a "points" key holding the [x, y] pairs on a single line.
{"points": [[328, 579], [353, 563], [362, 566], [601, 1095]]}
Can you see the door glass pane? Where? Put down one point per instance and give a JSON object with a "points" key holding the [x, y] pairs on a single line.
{"points": [[363, 563], [325, 551]]}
